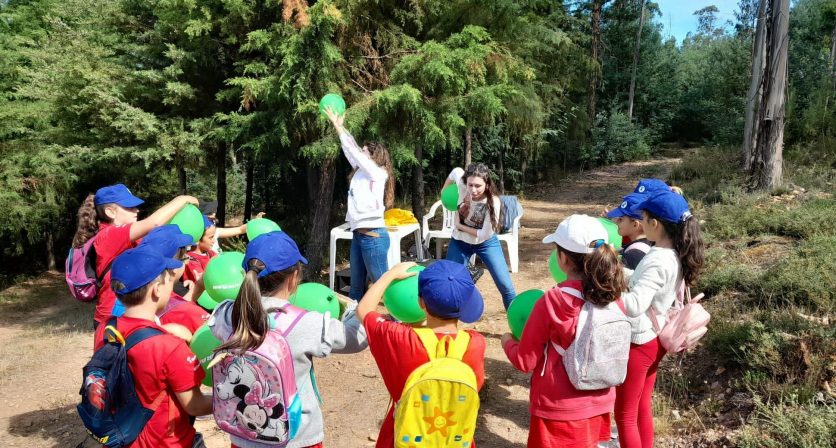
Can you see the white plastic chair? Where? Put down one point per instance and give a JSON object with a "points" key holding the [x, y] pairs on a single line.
{"points": [[512, 238]]}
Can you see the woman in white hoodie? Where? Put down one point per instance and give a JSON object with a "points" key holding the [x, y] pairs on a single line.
{"points": [[370, 192]]}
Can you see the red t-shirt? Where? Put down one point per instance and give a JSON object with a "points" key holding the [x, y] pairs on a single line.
{"points": [[183, 312], [160, 365], [398, 351], [197, 264], [110, 242]]}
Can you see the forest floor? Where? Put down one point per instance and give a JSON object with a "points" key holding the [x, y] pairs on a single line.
{"points": [[45, 339]]}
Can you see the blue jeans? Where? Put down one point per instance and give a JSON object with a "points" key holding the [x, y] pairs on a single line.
{"points": [[490, 252], [368, 260]]}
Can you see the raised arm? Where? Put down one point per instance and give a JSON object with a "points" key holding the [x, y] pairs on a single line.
{"points": [[351, 149], [160, 217]]}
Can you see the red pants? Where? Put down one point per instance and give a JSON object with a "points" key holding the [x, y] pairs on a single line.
{"points": [[318, 445], [633, 411], [584, 433]]}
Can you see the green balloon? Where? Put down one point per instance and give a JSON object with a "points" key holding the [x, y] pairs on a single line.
{"points": [[224, 275], [334, 101], [450, 197], [557, 274], [401, 299], [206, 301], [260, 226], [316, 297], [612, 232], [520, 309], [190, 221], [203, 345]]}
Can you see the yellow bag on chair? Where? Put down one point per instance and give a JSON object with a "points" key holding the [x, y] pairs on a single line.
{"points": [[440, 401]]}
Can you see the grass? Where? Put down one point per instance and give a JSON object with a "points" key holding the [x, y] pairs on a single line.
{"points": [[791, 425]]}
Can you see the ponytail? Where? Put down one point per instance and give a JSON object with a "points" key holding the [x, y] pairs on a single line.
{"points": [[250, 321], [603, 279], [88, 222], [689, 246]]}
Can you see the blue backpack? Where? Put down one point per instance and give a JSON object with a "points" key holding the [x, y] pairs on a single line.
{"points": [[110, 408]]}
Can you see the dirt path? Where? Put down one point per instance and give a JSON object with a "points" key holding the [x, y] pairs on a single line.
{"points": [[45, 340]]}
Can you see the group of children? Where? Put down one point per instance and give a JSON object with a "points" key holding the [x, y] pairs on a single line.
{"points": [[139, 262]]}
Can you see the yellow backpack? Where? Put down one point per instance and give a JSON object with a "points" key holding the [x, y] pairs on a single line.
{"points": [[440, 400]]}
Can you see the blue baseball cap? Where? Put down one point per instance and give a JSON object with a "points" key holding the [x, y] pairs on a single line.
{"points": [[667, 206], [448, 292], [137, 267], [628, 207], [167, 240], [207, 222], [117, 194], [276, 250], [646, 186]]}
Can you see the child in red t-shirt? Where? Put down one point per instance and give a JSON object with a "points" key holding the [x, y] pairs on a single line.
{"points": [[200, 256], [560, 414], [166, 373], [111, 217], [447, 295]]}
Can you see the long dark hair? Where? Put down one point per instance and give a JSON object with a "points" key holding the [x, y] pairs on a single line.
{"points": [[603, 278], [687, 241], [482, 171], [380, 156], [89, 217], [249, 320]]}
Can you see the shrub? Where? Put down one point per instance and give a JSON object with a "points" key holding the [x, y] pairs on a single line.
{"points": [[617, 139], [806, 277], [789, 425]]}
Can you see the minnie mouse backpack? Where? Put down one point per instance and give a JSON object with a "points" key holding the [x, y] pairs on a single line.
{"points": [[255, 395]]}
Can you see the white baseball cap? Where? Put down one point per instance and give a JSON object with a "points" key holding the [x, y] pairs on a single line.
{"points": [[578, 233]]}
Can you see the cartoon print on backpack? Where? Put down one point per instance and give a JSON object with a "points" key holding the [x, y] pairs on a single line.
{"points": [[256, 412]]}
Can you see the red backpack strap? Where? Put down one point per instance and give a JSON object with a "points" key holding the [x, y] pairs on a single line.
{"points": [[621, 306]]}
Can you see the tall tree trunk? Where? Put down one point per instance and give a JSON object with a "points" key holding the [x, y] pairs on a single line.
{"points": [[418, 184], [750, 130], [596, 37], [468, 147], [50, 251], [502, 169], [523, 169], [248, 193], [220, 164], [320, 223], [181, 173], [636, 62], [767, 169]]}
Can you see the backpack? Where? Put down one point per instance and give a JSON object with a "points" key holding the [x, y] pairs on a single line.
{"points": [[80, 272], [255, 395], [440, 400], [597, 357], [687, 322], [110, 408], [510, 208]]}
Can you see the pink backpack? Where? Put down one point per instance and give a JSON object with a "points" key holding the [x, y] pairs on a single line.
{"points": [[80, 272], [687, 322], [255, 395]]}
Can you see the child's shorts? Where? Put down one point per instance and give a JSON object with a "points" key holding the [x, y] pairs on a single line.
{"points": [[569, 434]]}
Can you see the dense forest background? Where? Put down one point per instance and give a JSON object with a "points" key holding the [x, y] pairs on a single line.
{"points": [[218, 99]]}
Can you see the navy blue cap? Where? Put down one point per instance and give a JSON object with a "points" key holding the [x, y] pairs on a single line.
{"points": [[667, 206], [448, 292], [276, 250], [117, 194], [167, 240], [629, 207], [137, 267], [207, 222], [646, 186]]}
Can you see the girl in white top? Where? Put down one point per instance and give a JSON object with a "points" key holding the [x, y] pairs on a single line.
{"points": [[476, 225], [672, 264], [370, 192]]}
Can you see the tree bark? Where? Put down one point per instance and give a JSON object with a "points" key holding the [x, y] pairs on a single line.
{"points": [[320, 223], [50, 251], [468, 147], [248, 193], [418, 184], [750, 130], [502, 169], [220, 164], [596, 37], [636, 62], [767, 169], [181, 173]]}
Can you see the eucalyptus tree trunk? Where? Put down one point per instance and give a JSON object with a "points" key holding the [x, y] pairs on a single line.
{"points": [[636, 62], [248, 193], [596, 38], [181, 173], [767, 169], [418, 184], [220, 164], [750, 130], [322, 195], [468, 147], [50, 251]]}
